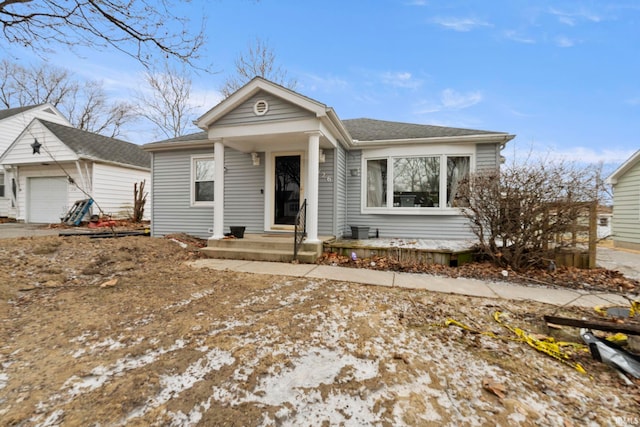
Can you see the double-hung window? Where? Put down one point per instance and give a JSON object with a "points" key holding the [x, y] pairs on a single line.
{"points": [[202, 176], [412, 182]]}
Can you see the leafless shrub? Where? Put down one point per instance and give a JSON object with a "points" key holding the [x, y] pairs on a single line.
{"points": [[518, 213]]}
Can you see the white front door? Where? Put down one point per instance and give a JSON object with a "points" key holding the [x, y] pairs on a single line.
{"points": [[287, 185]]}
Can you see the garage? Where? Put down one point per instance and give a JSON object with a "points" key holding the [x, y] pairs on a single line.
{"points": [[46, 199]]}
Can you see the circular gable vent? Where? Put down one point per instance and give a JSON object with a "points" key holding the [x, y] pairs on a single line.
{"points": [[261, 107]]}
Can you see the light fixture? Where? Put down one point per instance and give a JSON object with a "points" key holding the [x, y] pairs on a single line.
{"points": [[255, 159], [354, 172], [321, 157]]}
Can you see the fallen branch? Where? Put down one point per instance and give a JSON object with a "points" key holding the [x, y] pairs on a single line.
{"points": [[600, 325]]}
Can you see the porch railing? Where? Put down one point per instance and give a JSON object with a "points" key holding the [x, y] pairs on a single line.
{"points": [[300, 229]]}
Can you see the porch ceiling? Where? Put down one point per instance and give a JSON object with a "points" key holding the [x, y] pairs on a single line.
{"points": [[273, 142]]}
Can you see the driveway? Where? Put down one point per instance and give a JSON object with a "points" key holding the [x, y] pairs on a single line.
{"points": [[15, 229], [625, 261]]}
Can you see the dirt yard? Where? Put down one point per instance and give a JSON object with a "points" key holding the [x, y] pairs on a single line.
{"points": [[110, 332]]}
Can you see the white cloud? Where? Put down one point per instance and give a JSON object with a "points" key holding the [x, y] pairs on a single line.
{"points": [[564, 41], [572, 18], [633, 101], [516, 37], [578, 154], [202, 100], [452, 100], [461, 24], [401, 79], [315, 83]]}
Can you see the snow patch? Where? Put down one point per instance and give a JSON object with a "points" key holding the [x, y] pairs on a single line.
{"points": [[173, 385]]}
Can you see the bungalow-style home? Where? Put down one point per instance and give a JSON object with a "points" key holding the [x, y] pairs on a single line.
{"points": [[12, 123], [52, 165], [626, 203], [267, 152]]}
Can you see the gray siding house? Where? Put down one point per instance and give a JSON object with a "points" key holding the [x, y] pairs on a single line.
{"points": [[266, 150], [626, 203]]}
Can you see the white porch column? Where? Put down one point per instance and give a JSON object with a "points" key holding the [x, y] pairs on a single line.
{"points": [[313, 156], [218, 190]]}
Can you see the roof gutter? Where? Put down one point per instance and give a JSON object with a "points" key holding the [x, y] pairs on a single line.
{"points": [[170, 146], [476, 139], [108, 162]]}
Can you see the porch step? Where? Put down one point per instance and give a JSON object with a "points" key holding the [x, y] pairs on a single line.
{"points": [[273, 255], [260, 247]]}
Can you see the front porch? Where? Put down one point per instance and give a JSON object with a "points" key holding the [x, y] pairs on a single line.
{"points": [[279, 248], [451, 253]]}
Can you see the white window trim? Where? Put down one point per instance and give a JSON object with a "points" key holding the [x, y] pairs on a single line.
{"points": [[192, 185], [442, 151]]}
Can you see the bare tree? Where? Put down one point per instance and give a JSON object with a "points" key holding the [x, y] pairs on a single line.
{"points": [[35, 85], [136, 27], [85, 104], [517, 214], [89, 109], [259, 60], [165, 102]]}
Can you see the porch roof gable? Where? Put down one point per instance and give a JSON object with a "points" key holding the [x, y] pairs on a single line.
{"points": [[253, 87]]}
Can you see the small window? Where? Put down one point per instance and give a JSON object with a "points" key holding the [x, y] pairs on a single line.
{"points": [[2, 185], [604, 221], [377, 183], [203, 176]]}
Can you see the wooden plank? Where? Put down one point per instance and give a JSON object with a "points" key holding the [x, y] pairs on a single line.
{"points": [[600, 325]]}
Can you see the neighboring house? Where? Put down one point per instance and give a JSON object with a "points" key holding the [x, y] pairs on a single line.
{"points": [[626, 203], [52, 165], [12, 122], [605, 214], [266, 149]]}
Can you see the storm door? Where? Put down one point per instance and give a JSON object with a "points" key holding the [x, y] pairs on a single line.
{"points": [[288, 189]]}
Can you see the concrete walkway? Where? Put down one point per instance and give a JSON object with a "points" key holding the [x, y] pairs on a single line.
{"points": [[459, 286]]}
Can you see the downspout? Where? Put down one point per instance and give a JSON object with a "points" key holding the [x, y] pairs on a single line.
{"points": [[82, 179], [89, 178], [346, 191]]}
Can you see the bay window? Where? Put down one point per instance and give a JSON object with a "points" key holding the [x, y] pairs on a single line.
{"points": [[419, 183]]}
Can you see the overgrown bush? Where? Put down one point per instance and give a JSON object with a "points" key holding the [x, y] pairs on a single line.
{"points": [[518, 213]]}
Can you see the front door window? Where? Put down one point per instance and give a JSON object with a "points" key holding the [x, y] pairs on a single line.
{"points": [[287, 189]]}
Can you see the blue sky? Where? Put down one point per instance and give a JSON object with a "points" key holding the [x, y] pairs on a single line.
{"points": [[564, 76]]}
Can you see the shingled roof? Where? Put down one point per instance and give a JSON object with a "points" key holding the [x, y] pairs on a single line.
{"points": [[381, 130], [99, 147], [17, 110], [197, 136]]}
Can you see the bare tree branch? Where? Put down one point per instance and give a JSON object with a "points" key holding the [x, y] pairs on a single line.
{"points": [[259, 60], [136, 27], [84, 104], [165, 103]]}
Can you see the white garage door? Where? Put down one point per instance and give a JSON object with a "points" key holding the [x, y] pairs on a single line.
{"points": [[46, 199]]}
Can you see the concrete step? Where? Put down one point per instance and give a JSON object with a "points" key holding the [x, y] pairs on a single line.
{"points": [[280, 244], [259, 254]]}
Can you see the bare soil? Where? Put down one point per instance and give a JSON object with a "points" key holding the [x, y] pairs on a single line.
{"points": [[125, 332]]}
